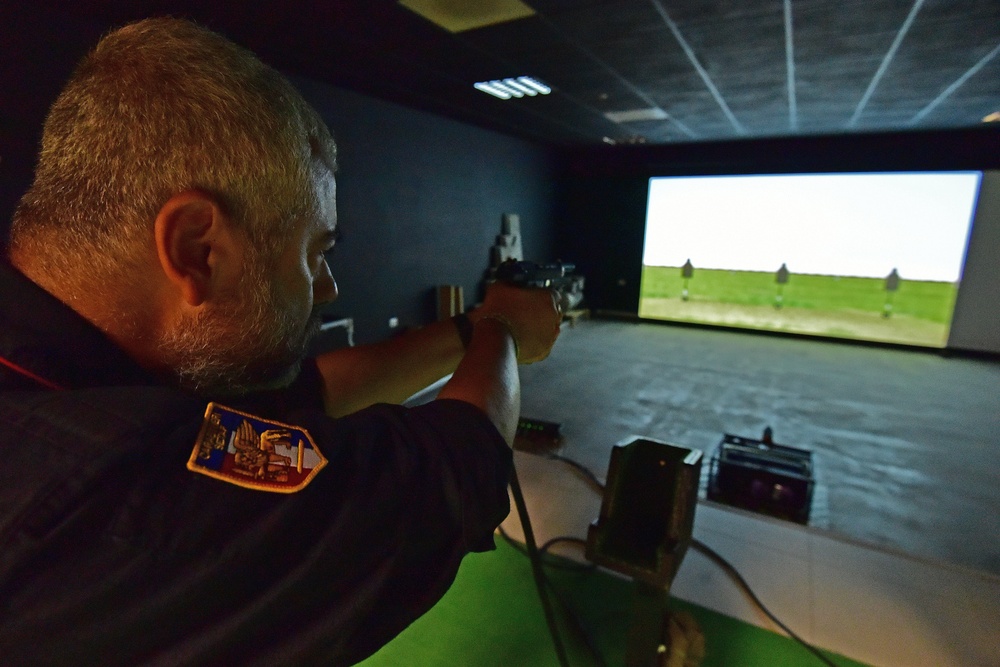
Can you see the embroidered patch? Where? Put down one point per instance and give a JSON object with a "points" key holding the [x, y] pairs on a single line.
{"points": [[254, 453]]}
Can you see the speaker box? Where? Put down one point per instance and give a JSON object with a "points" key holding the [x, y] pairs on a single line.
{"points": [[763, 477]]}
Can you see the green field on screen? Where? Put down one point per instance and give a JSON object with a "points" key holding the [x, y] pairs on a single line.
{"points": [[837, 306]]}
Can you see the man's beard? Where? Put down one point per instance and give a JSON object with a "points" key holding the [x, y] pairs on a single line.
{"points": [[250, 343]]}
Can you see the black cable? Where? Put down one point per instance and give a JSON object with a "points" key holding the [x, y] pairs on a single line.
{"points": [[562, 538], [536, 567], [561, 564], [577, 625], [554, 562], [587, 472], [745, 587], [574, 620]]}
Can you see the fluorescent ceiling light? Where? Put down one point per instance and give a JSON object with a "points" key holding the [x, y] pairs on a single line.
{"points": [[633, 115], [516, 85], [528, 82], [992, 118], [500, 85], [492, 90], [513, 87]]}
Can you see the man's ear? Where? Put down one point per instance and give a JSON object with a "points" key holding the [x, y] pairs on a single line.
{"points": [[194, 237]]}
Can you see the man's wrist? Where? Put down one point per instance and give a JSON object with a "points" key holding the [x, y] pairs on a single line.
{"points": [[507, 324]]}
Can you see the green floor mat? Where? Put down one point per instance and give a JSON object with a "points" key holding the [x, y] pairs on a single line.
{"points": [[492, 617]]}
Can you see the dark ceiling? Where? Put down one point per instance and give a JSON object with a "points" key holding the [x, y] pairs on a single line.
{"points": [[701, 70]]}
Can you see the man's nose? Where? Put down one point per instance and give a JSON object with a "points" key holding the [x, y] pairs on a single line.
{"points": [[325, 287]]}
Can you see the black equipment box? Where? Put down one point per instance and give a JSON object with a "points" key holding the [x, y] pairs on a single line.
{"points": [[761, 476]]}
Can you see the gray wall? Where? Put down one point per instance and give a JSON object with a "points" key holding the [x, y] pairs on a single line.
{"points": [[976, 324], [420, 201]]}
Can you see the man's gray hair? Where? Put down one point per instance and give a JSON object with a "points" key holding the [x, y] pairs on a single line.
{"points": [[159, 107]]}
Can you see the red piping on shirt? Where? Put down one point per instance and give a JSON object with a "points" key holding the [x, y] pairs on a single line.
{"points": [[28, 374]]}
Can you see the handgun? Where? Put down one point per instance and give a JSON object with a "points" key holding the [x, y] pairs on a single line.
{"points": [[557, 275]]}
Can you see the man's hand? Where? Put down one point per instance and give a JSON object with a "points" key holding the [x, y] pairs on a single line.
{"points": [[532, 314]]}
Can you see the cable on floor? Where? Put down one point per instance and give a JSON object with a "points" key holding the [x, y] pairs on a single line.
{"points": [[574, 621], [536, 568], [728, 568], [555, 562], [584, 470]]}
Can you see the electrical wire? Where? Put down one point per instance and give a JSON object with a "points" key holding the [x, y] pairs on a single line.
{"points": [[562, 538], [584, 470], [585, 638], [728, 568], [536, 568], [574, 621], [585, 568], [560, 564]]}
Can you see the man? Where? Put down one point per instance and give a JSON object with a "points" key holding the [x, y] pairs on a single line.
{"points": [[177, 485]]}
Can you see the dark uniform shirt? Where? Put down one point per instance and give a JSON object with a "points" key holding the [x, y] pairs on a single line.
{"points": [[113, 553]]}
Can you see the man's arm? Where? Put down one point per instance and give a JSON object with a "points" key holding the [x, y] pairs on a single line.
{"points": [[487, 376], [391, 371]]}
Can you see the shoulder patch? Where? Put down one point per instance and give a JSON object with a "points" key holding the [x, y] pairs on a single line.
{"points": [[254, 453]]}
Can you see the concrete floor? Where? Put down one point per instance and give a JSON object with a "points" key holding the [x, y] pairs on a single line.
{"points": [[905, 444]]}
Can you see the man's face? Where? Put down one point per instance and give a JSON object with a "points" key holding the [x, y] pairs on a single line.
{"points": [[301, 281], [257, 337]]}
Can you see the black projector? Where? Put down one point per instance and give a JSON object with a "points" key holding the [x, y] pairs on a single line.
{"points": [[761, 476]]}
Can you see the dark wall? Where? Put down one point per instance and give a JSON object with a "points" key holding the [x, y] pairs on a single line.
{"points": [[38, 50], [601, 218], [420, 198], [420, 201]]}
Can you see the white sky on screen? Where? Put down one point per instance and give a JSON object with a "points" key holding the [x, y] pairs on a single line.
{"points": [[829, 224]]}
